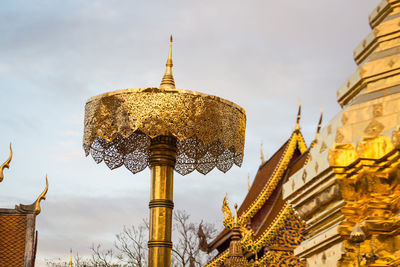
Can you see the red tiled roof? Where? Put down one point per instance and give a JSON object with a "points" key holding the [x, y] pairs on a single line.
{"points": [[12, 240]]}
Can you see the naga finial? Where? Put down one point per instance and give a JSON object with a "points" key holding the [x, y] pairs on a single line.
{"points": [[318, 129], [168, 81], [6, 164], [262, 153], [297, 128], [228, 220], [41, 197]]}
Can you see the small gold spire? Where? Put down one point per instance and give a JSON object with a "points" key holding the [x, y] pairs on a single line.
{"points": [[70, 258], [248, 183], [41, 197], [168, 81], [6, 164], [297, 128], [235, 219], [357, 235], [262, 153], [314, 142]]}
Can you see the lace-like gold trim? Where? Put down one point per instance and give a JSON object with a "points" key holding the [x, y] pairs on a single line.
{"points": [[120, 124]]}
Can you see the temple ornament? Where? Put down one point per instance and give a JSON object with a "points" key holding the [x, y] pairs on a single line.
{"points": [[165, 129], [6, 164], [41, 197]]}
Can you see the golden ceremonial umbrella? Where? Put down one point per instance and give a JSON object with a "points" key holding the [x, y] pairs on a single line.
{"points": [[166, 129]]}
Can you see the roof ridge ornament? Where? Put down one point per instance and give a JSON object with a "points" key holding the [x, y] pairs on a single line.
{"points": [[41, 197], [6, 164], [168, 81], [35, 206], [297, 127], [262, 153], [248, 182], [314, 142]]}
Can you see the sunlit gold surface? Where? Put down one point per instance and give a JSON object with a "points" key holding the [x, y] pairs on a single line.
{"points": [[210, 130], [6, 164], [353, 178], [166, 129], [168, 81], [70, 258], [41, 197], [162, 160]]}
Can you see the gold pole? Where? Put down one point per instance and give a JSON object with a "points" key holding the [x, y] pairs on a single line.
{"points": [[162, 162]]}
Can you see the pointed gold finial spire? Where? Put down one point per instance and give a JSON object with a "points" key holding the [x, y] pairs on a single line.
{"points": [[314, 142], [357, 235], [41, 197], [6, 164], [262, 153], [235, 219], [168, 81], [248, 183], [70, 258], [297, 128]]}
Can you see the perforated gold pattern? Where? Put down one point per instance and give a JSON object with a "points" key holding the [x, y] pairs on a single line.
{"points": [[120, 124]]}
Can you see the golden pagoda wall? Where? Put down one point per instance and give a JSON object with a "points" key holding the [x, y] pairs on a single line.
{"points": [[353, 176]]}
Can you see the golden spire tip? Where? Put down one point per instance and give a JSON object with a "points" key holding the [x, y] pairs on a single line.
{"points": [[236, 215], [168, 81], [297, 128], [314, 142], [262, 153]]}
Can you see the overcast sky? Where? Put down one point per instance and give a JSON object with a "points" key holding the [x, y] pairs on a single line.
{"points": [[263, 55]]}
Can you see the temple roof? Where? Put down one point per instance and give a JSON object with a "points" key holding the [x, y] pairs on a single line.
{"points": [[262, 178], [266, 186]]}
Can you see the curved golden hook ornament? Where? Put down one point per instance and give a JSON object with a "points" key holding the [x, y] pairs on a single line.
{"points": [[41, 197], [6, 164], [228, 219], [297, 128]]}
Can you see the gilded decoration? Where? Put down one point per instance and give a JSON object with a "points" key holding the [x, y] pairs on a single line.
{"points": [[374, 128], [295, 141], [283, 232], [377, 110], [6, 164], [323, 147], [339, 136], [165, 129], [368, 175], [119, 125], [41, 197]]}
